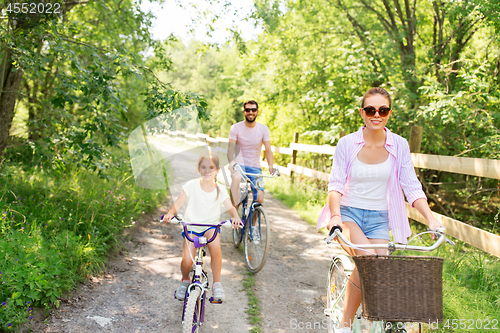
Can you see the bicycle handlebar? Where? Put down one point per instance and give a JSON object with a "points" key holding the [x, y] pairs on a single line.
{"points": [[336, 231], [237, 167], [176, 220]]}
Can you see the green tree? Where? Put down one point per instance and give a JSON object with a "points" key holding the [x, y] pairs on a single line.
{"points": [[215, 73], [84, 76]]}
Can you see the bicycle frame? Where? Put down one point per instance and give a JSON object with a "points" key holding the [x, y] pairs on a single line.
{"points": [[200, 278], [248, 213], [244, 202]]}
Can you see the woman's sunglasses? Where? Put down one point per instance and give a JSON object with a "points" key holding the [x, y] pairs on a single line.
{"points": [[382, 111]]}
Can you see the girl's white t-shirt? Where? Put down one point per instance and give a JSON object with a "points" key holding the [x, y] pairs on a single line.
{"points": [[366, 187], [203, 207]]}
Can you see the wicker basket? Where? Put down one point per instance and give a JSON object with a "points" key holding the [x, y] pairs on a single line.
{"points": [[401, 288]]}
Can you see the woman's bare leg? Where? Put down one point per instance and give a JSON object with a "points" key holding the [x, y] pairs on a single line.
{"points": [[353, 293]]}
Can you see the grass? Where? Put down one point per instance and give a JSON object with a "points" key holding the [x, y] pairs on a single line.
{"points": [[303, 197], [253, 310], [471, 277], [57, 228]]}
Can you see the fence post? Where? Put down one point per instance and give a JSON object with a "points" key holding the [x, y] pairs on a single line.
{"points": [[416, 142], [294, 153]]}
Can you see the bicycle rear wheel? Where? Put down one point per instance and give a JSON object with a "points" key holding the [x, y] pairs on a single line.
{"points": [[192, 314], [237, 232], [256, 243]]}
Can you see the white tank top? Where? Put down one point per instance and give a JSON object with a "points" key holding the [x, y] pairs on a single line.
{"points": [[366, 187]]}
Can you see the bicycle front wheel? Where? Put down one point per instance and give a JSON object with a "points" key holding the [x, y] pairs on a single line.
{"points": [[336, 285], [192, 314], [256, 241], [237, 232]]}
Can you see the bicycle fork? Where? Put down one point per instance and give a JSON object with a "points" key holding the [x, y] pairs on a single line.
{"points": [[199, 280]]}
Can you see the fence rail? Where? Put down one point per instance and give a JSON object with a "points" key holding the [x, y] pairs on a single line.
{"points": [[476, 237]]}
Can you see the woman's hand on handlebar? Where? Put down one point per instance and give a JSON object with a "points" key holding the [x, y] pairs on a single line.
{"points": [[434, 224], [335, 220]]}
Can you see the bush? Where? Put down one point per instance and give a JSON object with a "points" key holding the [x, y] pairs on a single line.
{"points": [[57, 228]]}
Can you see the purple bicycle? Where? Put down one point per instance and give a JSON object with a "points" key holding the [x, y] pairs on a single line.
{"points": [[194, 302]]}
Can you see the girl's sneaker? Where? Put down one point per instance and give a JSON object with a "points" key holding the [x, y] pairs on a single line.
{"points": [[180, 293], [218, 292]]}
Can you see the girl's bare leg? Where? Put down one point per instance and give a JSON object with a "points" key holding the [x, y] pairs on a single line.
{"points": [[186, 262], [215, 255], [353, 293]]}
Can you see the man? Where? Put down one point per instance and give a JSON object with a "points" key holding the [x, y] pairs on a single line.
{"points": [[248, 136]]}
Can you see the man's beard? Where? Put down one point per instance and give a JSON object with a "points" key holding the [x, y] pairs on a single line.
{"points": [[250, 121]]}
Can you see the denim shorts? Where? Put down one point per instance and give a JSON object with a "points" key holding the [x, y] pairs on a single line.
{"points": [[253, 178], [373, 223]]}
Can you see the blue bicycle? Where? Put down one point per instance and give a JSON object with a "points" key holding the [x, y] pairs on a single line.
{"points": [[256, 234]]}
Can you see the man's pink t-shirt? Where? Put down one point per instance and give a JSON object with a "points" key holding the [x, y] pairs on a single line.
{"points": [[249, 142]]}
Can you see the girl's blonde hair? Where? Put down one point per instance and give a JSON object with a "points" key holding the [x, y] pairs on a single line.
{"points": [[215, 160]]}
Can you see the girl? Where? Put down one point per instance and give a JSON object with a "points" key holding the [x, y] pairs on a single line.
{"points": [[370, 168], [205, 199]]}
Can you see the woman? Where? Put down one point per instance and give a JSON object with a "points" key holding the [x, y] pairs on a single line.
{"points": [[370, 168]]}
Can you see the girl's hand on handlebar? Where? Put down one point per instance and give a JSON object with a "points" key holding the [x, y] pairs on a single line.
{"points": [[236, 223], [167, 217]]}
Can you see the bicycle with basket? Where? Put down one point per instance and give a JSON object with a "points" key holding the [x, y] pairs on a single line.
{"points": [[256, 234], [395, 289]]}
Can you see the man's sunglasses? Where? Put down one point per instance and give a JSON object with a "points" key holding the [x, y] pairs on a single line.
{"points": [[382, 111], [251, 110]]}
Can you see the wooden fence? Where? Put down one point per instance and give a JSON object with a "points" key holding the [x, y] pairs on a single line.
{"points": [[476, 237]]}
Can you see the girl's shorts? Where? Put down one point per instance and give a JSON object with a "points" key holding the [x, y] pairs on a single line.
{"points": [[373, 223], [199, 234]]}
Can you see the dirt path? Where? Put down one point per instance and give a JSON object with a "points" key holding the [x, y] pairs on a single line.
{"points": [[292, 284], [136, 295]]}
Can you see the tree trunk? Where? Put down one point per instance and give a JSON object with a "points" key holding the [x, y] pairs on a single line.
{"points": [[9, 86]]}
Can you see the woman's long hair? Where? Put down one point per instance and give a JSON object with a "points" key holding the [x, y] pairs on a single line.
{"points": [[215, 160]]}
